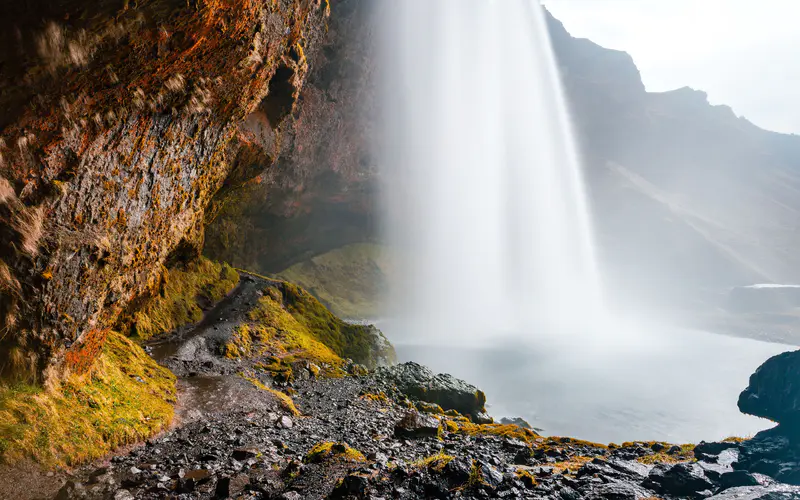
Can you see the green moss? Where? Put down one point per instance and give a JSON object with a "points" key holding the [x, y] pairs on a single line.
{"points": [[429, 408], [325, 451], [178, 303], [348, 280], [528, 479], [122, 398], [239, 344]]}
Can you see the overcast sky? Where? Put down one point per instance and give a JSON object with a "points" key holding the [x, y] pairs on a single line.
{"points": [[743, 53]]}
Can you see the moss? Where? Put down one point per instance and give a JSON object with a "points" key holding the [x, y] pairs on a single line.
{"points": [[434, 462], [285, 400], [528, 479], [325, 451], [451, 426], [685, 455], [299, 327], [426, 407], [239, 344], [184, 291], [735, 439], [123, 397], [572, 465], [380, 398], [504, 430]]}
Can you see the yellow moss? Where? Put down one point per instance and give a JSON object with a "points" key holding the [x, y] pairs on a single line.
{"points": [[239, 344], [285, 400], [735, 439], [451, 426], [177, 303], [122, 398], [685, 455], [526, 477], [429, 408], [378, 398], [434, 462], [328, 450], [504, 430], [572, 465]]}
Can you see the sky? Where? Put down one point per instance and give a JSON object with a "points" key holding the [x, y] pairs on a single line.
{"points": [[743, 53]]}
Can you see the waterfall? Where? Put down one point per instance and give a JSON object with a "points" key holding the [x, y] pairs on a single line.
{"points": [[484, 199]]}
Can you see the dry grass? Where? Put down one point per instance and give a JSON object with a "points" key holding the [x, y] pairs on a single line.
{"points": [[435, 462], [122, 398]]}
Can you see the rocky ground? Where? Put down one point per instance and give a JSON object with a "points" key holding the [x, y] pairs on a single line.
{"points": [[401, 433]]}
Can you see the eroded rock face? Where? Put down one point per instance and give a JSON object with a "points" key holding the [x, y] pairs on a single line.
{"points": [[120, 121]]}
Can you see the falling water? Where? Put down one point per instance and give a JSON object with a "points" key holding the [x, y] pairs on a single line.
{"points": [[484, 194]]}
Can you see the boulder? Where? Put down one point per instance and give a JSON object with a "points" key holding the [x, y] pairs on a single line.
{"points": [[683, 480], [419, 383], [774, 390], [416, 425], [770, 492]]}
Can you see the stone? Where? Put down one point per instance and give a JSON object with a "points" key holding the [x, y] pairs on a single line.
{"points": [[123, 495], [242, 454], [735, 479], [352, 485], [416, 425], [419, 383], [489, 475], [769, 492], [682, 480], [231, 486], [285, 422], [773, 391], [198, 475]]}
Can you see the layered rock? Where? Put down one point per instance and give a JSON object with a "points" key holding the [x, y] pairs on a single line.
{"points": [[120, 121]]}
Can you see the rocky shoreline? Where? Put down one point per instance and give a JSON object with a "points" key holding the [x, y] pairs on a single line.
{"points": [[399, 432]]}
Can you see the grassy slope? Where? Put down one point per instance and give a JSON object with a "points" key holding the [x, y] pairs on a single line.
{"points": [[123, 397], [348, 280], [179, 303]]}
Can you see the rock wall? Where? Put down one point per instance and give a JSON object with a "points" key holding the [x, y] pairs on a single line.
{"points": [[320, 194], [120, 121]]}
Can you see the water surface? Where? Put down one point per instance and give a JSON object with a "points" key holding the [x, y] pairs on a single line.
{"points": [[683, 389]]}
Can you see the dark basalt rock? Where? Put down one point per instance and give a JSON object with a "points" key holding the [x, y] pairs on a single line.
{"points": [[416, 425], [774, 391], [736, 479], [418, 382], [683, 480]]}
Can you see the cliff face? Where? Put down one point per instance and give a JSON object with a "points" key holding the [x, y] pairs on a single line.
{"points": [[120, 121], [320, 194]]}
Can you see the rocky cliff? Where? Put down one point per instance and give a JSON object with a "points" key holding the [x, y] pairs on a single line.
{"points": [[120, 121]]}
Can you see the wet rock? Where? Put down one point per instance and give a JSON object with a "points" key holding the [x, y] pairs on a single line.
{"points": [[614, 491], [231, 486], [735, 479], [418, 382], [351, 485], [683, 480], [457, 472], [770, 492], [416, 425], [490, 476], [774, 391], [242, 454], [774, 453], [713, 448]]}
